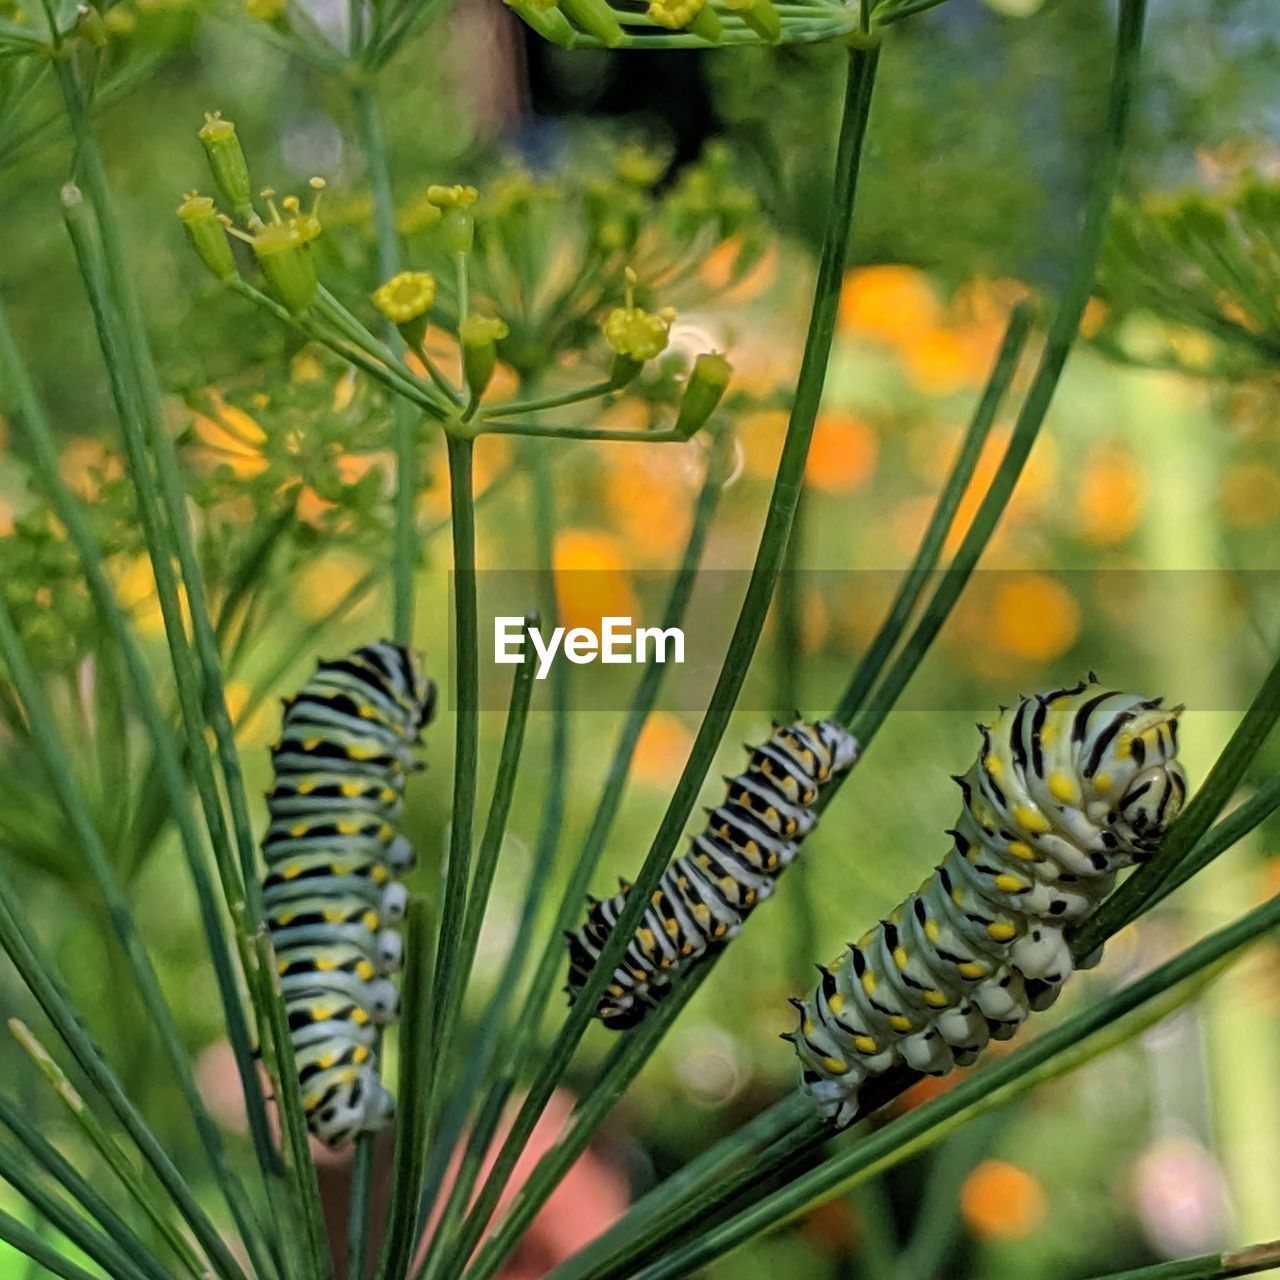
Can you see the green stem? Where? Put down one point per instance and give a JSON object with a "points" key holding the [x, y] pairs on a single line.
{"points": [[38, 976], [26, 1241], [551, 431], [40, 439], [929, 552], [592, 392], [1210, 1266], [764, 575], [416, 1051]]}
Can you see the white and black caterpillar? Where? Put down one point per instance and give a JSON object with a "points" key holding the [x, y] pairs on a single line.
{"points": [[706, 894], [1070, 787], [331, 893]]}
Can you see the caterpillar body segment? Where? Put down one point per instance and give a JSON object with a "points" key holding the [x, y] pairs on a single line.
{"points": [[331, 895], [731, 866], [1070, 787]]}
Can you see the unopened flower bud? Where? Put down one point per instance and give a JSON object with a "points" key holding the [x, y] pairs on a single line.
{"points": [[208, 235], [545, 18], [284, 255], [458, 223], [479, 336], [227, 164], [405, 300], [702, 393]]}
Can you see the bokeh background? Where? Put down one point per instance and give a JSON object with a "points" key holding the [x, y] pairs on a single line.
{"points": [[1141, 543]]}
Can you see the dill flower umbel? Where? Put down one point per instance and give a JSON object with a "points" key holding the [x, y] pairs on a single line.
{"points": [[636, 335], [692, 15], [405, 300]]}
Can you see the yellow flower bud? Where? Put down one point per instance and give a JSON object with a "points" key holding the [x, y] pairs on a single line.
{"points": [[634, 332], [227, 164], [479, 336], [208, 235], [458, 223], [703, 392], [405, 300]]}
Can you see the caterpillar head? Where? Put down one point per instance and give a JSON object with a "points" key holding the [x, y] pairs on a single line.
{"points": [[1148, 784]]}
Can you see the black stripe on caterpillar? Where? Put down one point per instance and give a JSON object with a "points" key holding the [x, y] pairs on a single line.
{"points": [[706, 894], [1070, 786]]}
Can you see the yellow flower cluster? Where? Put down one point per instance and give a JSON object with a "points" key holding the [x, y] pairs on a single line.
{"points": [[635, 332], [406, 296]]}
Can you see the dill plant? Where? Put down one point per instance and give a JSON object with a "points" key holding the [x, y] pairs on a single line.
{"points": [[516, 309]]}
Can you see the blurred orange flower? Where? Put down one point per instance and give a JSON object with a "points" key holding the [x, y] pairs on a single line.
{"points": [[843, 454], [1000, 1201], [322, 582], [892, 302], [1109, 503], [592, 579], [760, 434], [228, 437], [84, 463], [661, 750], [1034, 617]]}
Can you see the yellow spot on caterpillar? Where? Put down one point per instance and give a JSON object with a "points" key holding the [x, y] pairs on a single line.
{"points": [[1063, 788], [969, 969], [672, 927], [386, 833], [1001, 932], [325, 1061], [936, 1000], [1030, 819], [931, 930], [370, 919], [351, 789], [1102, 782], [1020, 849], [333, 914], [306, 787], [807, 1026], [361, 753], [365, 970], [361, 1053], [321, 1013], [298, 829], [900, 957], [326, 965], [835, 1003], [292, 871], [282, 967], [310, 744], [359, 1017], [284, 919], [972, 855], [957, 896], [387, 795], [380, 875], [837, 1066], [865, 1044], [899, 1023], [869, 982], [646, 938], [992, 763], [1007, 883]]}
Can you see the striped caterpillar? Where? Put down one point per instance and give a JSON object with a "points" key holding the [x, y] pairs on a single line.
{"points": [[330, 893], [1069, 787], [706, 894]]}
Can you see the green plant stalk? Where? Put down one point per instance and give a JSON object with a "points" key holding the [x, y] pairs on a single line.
{"points": [[1209, 1266], [446, 988], [37, 974], [173, 532], [315, 1255], [404, 428], [929, 552], [108, 1148], [495, 827], [116, 1261], [552, 431], [537, 404], [39, 1251], [542, 983], [764, 575], [252, 568], [1137, 893], [416, 1051], [40, 439], [481, 1066], [84, 1195], [835, 1174], [129, 413], [45, 736]]}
